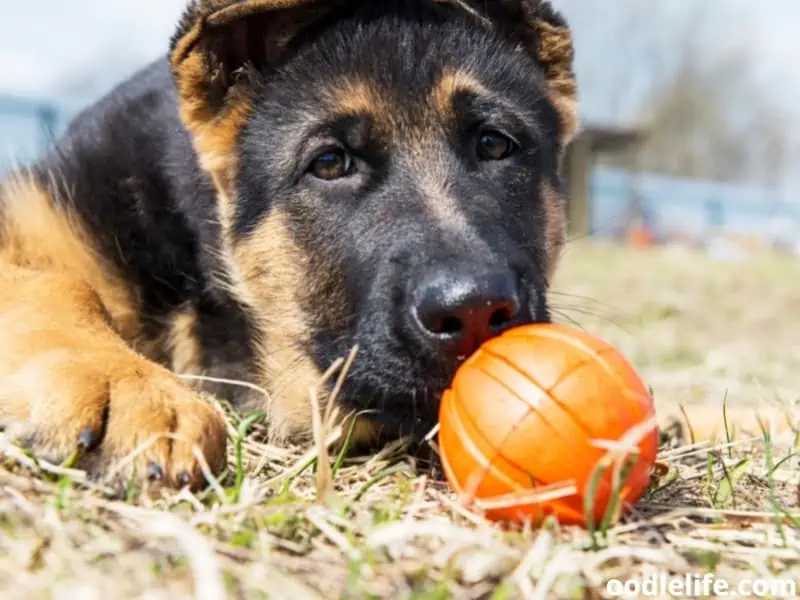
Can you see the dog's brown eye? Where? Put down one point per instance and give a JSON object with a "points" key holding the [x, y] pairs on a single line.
{"points": [[494, 146], [332, 164]]}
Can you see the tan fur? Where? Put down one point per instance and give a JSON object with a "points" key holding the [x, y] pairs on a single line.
{"points": [[34, 234], [275, 272], [65, 371], [555, 230], [200, 76], [215, 130], [353, 97], [449, 85], [555, 53], [276, 277], [182, 344], [242, 10], [214, 135]]}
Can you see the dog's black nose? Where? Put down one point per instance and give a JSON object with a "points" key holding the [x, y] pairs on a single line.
{"points": [[456, 310]]}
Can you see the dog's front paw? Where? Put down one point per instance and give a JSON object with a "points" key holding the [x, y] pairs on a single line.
{"points": [[124, 416]]}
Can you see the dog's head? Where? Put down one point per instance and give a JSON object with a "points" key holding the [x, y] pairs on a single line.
{"points": [[388, 175]]}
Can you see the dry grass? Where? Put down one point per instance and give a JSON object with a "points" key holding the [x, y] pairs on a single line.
{"points": [[697, 330]]}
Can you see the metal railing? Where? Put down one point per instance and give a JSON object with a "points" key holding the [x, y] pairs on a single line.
{"points": [[672, 208]]}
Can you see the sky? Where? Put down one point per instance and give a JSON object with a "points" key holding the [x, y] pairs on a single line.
{"points": [[71, 51], [53, 48], [612, 36]]}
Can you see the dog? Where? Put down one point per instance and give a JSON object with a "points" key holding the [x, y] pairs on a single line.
{"points": [[293, 180]]}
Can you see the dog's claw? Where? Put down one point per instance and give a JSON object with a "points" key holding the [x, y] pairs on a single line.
{"points": [[88, 439], [155, 472]]}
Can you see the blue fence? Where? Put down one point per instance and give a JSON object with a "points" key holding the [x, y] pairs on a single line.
{"points": [[681, 208]]}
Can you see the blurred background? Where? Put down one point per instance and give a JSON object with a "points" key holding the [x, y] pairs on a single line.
{"points": [[692, 118], [690, 107]]}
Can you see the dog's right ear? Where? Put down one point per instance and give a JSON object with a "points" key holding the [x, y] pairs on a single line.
{"points": [[216, 54], [547, 36]]}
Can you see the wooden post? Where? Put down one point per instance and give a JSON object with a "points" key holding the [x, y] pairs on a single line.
{"points": [[577, 170]]}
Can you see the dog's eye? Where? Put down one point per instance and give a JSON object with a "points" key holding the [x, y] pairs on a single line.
{"points": [[493, 145], [331, 164]]}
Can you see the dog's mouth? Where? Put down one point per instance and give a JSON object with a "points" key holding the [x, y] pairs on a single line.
{"points": [[395, 386], [395, 409]]}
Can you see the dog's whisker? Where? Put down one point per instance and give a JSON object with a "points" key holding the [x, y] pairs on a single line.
{"points": [[580, 297], [568, 318], [565, 310]]}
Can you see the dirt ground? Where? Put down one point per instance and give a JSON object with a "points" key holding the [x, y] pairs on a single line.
{"points": [[701, 332]]}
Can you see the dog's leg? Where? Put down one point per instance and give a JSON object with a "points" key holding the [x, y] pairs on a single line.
{"points": [[68, 380]]}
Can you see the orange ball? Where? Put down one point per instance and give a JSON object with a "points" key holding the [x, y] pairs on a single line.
{"points": [[518, 427]]}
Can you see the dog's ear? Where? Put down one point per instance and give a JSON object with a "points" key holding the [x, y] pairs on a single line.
{"points": [[221, 45], [546, 35], [218, 50]]}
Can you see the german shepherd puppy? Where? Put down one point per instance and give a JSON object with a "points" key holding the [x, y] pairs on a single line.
{"points": [[294, 179]]}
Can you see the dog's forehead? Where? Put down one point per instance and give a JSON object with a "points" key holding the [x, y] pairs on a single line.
{"points": [[357, 94], [411, 78], [358, 84], [365, 106]]}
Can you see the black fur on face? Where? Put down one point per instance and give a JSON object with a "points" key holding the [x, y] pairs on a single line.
{"points": [[391, 147]]}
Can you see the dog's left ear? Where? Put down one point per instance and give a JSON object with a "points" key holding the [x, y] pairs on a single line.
{"points": [[217, 53], [546, 35]]}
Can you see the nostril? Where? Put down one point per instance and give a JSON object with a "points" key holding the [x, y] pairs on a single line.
{"points": [[449, 325], [501, 317], [440, 323]]}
